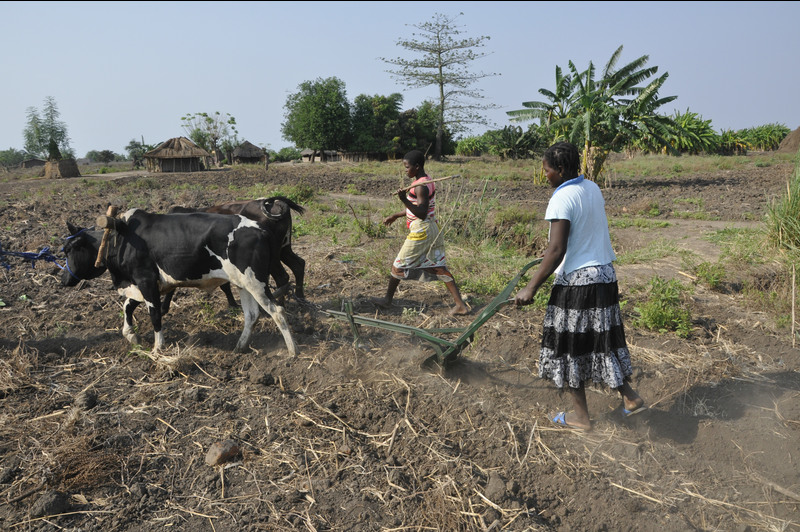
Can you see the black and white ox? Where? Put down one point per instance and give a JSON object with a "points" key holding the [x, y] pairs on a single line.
{"points": [[152, 254], [272, 214]]}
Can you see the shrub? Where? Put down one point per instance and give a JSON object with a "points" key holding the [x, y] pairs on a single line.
{"points": [[710, 274], [285, 155], [663, 309]]}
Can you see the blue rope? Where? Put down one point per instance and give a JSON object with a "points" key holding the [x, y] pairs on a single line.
{"points": [[44, 255]]}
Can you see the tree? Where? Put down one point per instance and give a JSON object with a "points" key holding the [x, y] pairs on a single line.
{"points": [[103, 156], [12, 157], [419, 129], [606, 114], [557, 108], [208, 131], [375, 122], [136, 151], [318, 116], [46, 135], [444, 64]]}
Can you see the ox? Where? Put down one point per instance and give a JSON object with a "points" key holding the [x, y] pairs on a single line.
{"points": [[273, 214], [152, 254]]}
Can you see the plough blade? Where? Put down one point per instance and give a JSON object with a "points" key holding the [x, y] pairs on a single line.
{"points": [[447, 351]]}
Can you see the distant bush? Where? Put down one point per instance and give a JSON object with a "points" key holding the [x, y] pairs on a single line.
{"points": [[285, 155]]}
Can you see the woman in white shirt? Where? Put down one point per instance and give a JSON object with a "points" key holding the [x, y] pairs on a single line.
{"points": [[583, 338]]}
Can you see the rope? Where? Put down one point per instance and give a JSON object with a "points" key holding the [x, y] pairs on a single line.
{"points": [[44, 255]]}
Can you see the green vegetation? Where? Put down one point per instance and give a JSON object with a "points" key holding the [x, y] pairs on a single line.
{"points": [[663, 308], [783, 216], [215, 133], [710, 274], [658, 248], [46, 135]]}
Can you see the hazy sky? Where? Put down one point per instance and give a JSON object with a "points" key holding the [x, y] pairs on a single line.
{"points": [[120, 71]]}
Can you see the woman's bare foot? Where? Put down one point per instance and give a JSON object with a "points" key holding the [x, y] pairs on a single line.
{"points": [[459, 310]]}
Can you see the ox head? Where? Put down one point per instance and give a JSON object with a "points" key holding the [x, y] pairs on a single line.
{"points": [[81, 247]]}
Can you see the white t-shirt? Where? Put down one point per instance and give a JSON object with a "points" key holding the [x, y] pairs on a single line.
{"points": [[581, 202]]}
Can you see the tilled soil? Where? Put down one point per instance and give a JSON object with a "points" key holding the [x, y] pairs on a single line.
{"points": [[96, 435]]}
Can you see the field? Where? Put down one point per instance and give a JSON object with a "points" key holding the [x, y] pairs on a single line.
{"points": [[95, 435]]}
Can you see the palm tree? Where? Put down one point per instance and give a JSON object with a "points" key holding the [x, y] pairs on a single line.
{"points": [[604, 114], [557, 108]]}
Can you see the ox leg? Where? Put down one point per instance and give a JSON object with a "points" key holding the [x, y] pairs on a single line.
{"points": [[278, 316], [165, 302], [152, 299], [298, 267], [128, 330], [251, 312], [281, 278], [226, 288]]}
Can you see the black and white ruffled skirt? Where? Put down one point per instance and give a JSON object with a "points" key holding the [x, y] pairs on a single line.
{"points": [[583, 339]]}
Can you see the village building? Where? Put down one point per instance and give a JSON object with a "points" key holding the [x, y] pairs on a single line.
{"points": [[249, 153], [177, 155]]}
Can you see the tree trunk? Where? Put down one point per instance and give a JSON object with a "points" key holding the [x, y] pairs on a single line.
{"points": [[594, 157]]}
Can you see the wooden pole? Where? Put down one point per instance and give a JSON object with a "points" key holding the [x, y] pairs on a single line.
{"points": [[793, 300], [432, 181], [103, 221]]}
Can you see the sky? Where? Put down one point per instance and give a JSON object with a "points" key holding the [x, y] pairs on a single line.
{"points": [[122, 71]]}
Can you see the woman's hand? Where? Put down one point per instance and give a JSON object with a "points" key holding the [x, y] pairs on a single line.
{"points": [[525, 296], [389, 220]]}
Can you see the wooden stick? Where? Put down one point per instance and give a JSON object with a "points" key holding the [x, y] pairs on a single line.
{"points": [[111, 212], [432, 181], [793, 302]]}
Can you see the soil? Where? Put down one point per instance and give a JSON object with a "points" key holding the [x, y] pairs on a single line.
{"points": [[97, 435]]}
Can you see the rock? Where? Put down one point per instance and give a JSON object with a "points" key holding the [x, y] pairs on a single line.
{"points": [[50, 503], [495, 488], [221, 452]]}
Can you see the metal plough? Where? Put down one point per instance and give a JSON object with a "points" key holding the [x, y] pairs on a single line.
{"points": [[447, 351]]}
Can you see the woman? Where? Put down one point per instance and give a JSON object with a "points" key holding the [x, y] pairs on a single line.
{"points": [[583, 339], [422, 255]]}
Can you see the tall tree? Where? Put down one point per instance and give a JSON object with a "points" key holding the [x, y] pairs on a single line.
{"points": [[46, 135], [318, 116], [444, 63], [605, 114], [208, 131], [375, 122], [558, 106]]}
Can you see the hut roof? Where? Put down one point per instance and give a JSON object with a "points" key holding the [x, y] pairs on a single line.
{"points": [[177, 148], [248, 149]]}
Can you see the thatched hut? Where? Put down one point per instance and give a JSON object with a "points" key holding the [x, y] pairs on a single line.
{"points": [[249, 153], [32, 163], [791, 143], [177, 155], [61, 168]]}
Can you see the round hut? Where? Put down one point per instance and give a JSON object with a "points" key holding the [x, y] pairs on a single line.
{"points": [[177, 155], [249, 153]]}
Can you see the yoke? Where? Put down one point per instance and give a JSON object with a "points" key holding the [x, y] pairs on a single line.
{"points": [[447, 351]]}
